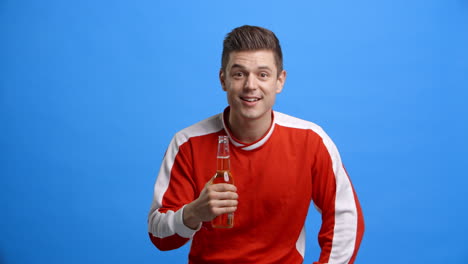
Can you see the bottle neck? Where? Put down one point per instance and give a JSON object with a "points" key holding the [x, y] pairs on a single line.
{"points": [[223, 164]]}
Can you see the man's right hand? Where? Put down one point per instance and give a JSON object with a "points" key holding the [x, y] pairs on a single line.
{"points": [[214, 200]]}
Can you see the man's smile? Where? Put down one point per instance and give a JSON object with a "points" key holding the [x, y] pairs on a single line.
{"points": [[250, 99]]}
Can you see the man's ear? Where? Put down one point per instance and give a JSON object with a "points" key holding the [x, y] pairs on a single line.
{"points": [[280, 81], [222, 79]]}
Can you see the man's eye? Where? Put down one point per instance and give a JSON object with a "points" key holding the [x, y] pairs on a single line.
{"points": [[264, 75], [238, 74]]}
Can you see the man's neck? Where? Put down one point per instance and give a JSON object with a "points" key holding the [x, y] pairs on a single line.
{"points": [[249, 130]]}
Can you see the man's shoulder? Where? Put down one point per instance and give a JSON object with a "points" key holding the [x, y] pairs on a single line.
{"points": [[295, 122], [209, 125], [292, 122]]}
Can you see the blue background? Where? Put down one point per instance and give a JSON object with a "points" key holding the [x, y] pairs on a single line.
{"points": [[92, 92]]}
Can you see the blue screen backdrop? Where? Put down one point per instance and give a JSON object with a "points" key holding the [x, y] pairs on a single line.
{"points": [[91, 93]]}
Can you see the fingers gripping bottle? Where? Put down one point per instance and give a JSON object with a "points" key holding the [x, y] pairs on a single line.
{"points": [[223, 175]]}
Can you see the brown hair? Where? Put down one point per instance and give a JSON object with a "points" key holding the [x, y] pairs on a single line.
{"points": [[251, 38]]}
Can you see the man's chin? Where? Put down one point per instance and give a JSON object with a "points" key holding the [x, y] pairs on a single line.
{"points": [[252, 115]]}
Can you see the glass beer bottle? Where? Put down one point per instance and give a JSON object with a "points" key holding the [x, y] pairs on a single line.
{"points": [[223, 175]]}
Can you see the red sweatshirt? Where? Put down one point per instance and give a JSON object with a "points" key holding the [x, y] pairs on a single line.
{"points": [[277, 177]]}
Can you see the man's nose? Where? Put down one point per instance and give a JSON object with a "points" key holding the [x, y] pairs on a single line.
{"points": [[251, 82]]}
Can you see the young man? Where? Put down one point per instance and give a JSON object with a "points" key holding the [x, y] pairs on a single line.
{"points": [[280, 164]]}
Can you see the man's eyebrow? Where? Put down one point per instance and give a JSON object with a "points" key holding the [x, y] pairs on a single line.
{"points": [[237, 66], [243, 67], [264, 68]]}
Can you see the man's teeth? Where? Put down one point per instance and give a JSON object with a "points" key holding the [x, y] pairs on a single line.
{"points": [[250, 99]]}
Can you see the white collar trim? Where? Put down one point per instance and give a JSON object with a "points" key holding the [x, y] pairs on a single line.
{"points": [[254, 145]]}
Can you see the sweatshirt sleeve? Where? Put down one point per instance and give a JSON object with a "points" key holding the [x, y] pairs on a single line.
{"points": [[334, 197], [172, 191]]}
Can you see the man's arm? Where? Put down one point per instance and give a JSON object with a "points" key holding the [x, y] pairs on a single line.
{"points": [[175, 214], [173, 189], [334, 196], [214, 200]]}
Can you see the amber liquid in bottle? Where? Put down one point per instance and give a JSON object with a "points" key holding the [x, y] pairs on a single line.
{"points": [[223, 175]]}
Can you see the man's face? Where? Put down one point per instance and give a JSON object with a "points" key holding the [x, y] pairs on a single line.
{"points": [[251, 81]]}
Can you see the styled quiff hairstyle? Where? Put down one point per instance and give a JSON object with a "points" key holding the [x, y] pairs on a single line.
{"points": [[251, 38]]}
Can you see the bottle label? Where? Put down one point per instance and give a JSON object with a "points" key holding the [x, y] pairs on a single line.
{"points": [[226, 176]]}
